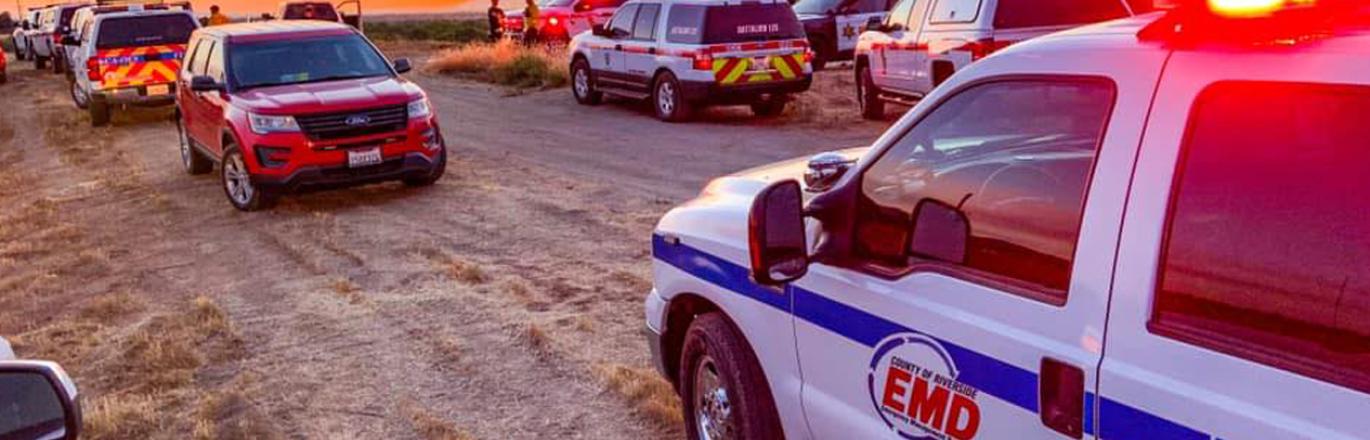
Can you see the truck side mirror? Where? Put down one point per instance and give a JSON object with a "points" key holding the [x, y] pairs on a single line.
{"points": [[204, 83], [876, 24], [402, 65], [779, 245], [37, 401], [601, 30], [940, 232]]}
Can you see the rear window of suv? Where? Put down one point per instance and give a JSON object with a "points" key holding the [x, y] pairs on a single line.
{"points": [[699, 24], [151, 30], [1034, 13]]}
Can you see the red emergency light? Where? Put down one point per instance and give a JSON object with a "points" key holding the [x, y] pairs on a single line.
{"points": [[1252, 21]]}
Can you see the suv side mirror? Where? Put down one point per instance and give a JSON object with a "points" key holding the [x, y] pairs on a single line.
{"points": [[779, 244], [402, 65], [37, 401], [203, 83], [940, 232], [876, 24]]}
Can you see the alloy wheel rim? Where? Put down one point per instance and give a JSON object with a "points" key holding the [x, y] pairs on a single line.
{"points": [[861, 87], [185, 144], [582, 83], [236, 180], [666, 98], [713, 410]]}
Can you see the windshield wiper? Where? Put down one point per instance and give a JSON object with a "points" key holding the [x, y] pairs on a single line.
{"points": [[337, 78]]}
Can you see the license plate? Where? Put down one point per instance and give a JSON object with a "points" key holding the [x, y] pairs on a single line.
{"points": [[364, 157], [158, 90], [760, 64]]}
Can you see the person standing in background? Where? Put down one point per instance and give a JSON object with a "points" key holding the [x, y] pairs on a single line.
{"points": [[496, 17], [215, 17], [531, 14]]}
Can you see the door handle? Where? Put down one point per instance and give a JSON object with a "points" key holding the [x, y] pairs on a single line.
{"points": [[1063, 397], [651, 50], [618, 47]]}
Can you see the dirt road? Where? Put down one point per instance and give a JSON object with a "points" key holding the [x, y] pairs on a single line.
{"points": [[492, 305]]}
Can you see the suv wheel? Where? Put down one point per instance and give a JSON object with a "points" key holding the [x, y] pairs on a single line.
{"points": [[583, 83], [669, 100], [57, 65], [193, 161], [771, 105], [432, 177], [868, 95], [79, 96], [99, 112], [39, 62], [237, 183], [821, 56], [723, 389]]}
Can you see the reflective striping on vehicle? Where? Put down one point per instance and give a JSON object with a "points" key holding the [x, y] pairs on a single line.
{"points": [[138, 66], [1007, 382], [737, 70]]}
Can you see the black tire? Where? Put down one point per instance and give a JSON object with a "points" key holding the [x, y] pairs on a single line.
{"points": [[821, 54], [583, 83], [57, 64], [868, 94], [191, 159], [234, 175], [99, 113], [668, 99], [76, 96], [432, 177], [714, 346], [39, 62], [771, 106], [4, 78]]}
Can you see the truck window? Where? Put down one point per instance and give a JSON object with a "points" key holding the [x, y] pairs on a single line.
{"points": [[1033, 13], [899, 17], [645, 28], [138, 31], [1015, 157], [955, 11], [700, 24], [621, 26], [310, 11], [1267, 252]]}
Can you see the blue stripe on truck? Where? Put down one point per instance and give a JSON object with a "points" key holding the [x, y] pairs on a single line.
{"points": [[997, 378]]}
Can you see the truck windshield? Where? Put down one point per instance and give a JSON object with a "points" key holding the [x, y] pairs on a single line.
{"points": [[138, 31], [816, 7], [292, 61], [699, 24], [310, 11]]}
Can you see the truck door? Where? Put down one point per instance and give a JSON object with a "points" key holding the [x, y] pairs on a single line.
{"points": [[640, 50], [609, 62], [971, 299], [1243, 279], [900, 54]]}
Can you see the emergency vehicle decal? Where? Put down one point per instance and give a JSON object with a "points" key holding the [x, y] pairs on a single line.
{"points": [[759, 69], [961, 369], [913, 386], [130, 67]]}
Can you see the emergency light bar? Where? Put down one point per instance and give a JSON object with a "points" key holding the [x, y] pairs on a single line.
{"points": [[1253, 21]]}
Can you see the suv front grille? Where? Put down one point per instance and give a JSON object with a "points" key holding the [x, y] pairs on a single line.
{"points": [[354, 123]]}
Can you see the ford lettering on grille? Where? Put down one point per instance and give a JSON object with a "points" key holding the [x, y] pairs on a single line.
{"points": [[357, 120]]}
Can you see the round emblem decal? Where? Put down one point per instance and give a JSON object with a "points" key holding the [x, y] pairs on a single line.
{"points": [[913, 387]]}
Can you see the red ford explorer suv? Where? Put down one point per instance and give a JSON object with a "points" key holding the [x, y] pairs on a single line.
{"points": [[293, 105]]}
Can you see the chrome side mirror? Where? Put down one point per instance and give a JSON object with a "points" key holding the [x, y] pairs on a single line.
{"points": [[37, 401], [825, 169]]}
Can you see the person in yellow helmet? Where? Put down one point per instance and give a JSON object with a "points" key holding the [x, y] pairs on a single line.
{"points": [[215, 17], [531, 14]]}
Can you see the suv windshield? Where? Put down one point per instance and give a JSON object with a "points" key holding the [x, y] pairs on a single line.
{"points": [[816, 7], [1032, 13], [310, 11], [292, 61], [698, 24], [151, 30]]}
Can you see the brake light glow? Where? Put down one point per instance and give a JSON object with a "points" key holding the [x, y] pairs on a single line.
{"points": [[983, 48], [703, 61], [93, 69], [553, 21], [1245, 8]]}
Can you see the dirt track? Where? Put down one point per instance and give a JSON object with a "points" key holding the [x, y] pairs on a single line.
{"points": [[504, 302]]}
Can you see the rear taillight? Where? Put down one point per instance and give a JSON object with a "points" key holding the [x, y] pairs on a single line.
{"points": [[57, 38], [93, 69], [703, 61], [983, 48], [808, 56]]}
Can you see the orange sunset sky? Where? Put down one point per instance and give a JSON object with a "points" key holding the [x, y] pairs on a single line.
{"points": [[253, 7]]}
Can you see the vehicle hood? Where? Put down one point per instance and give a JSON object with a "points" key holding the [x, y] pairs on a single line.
{"points": [[328, 96], [6, 353], [813, 17], [717, 219]]}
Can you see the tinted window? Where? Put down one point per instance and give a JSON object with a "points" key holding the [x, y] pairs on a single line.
{"points": [[305, 60], [645, 29], [67, 14], [899, 17], [1030, 13], [1268, 248], [145, 31], [1015, 157], [867, 6], [310, 11], [698, 24], [816, 7], [955, 11], [622, 24]]}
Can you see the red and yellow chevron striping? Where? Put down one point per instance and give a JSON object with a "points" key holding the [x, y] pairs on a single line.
{"points": [[139, 66], [740, 70]]}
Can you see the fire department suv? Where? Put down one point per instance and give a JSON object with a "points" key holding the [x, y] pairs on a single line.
{"points": [[130, 58], [1151, 228], [682, 54]]}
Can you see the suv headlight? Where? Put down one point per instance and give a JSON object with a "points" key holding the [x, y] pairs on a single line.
{"points": [[267, 124], [419, 109]]}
